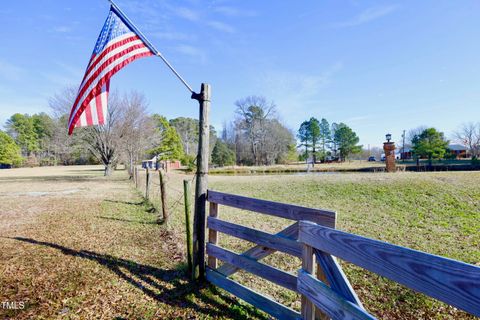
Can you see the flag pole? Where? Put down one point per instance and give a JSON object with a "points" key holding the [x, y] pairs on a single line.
{"points": [[129, 23]]}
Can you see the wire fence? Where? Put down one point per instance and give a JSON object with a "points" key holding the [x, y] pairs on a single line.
{"points": [[173, 188]]}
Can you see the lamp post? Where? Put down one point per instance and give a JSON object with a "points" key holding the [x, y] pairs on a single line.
{"points": [[389, 149]]}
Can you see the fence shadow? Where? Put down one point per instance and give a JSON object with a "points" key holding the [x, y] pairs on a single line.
{"points": [[130, 221], [151, 281]]}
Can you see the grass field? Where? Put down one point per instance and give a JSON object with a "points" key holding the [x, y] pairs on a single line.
{"points": [[76, 245]]}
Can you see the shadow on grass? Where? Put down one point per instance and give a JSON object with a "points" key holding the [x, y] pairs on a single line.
{"points": [[130, 221], [151, 281], [141, 203], [149, 207], [51, 178]]}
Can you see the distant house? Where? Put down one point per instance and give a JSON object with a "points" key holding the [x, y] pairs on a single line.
{"points": [[164, 164], [458, 150], [406, 154]]}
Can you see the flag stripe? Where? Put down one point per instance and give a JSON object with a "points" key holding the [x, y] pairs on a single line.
{"points": [[115, 46], [106, 74], [114, 60], [114, 43], [88, 115], [115, 54]]}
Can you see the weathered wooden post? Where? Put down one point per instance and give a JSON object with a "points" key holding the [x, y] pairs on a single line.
{"points": [[136, 177], [188, 226], [202, 183], [163, 195], [307, 308], [147, 184], [212, 234]]}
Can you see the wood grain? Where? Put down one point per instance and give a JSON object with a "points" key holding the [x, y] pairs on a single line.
{"points": [[267, 272], [188, 226], [331, 303], [287, 211], [263, 303], [336, 278], [447, 280], [308, 311], [260, 252], [212, 234], [201, 183], [277, 242]]}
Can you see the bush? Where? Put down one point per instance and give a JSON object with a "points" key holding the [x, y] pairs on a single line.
{"points": [[189, 161]]}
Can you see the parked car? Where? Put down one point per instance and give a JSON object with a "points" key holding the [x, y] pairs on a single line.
{"points": [[372, 158]]}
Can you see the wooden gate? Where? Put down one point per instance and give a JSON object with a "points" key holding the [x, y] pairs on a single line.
{"points": [[326, 292], [266, 244]]}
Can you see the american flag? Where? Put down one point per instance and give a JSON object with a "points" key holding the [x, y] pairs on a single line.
{"points": [[118, 44]]}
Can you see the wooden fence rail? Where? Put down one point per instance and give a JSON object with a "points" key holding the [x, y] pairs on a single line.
{"points": [[450, 281], [327, 292]]}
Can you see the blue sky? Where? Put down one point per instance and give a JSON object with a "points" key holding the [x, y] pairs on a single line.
{"points": [[378, 66]]}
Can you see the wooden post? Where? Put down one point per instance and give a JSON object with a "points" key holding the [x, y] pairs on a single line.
{"points": [[322, 277], [147, 184], [201, 184], [212, 234], [136, 177], [307, 265], [188, 227], [163, 195]]}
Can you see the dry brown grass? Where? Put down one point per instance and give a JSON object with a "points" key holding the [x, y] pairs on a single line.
{"points": [[76, 245]]}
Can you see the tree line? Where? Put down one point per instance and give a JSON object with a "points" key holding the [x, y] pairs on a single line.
{"points": [[324, 142], [255, 136]]}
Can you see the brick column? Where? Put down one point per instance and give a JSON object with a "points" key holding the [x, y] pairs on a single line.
{"points": [[389, 149]]}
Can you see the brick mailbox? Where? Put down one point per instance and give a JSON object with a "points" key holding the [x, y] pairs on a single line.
{"points": [[389, 149]]}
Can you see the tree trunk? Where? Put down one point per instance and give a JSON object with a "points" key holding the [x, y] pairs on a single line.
{"points": [[314, 157], [108, 170]]}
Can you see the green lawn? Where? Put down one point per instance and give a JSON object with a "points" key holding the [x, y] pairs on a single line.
{"points": [[437, 213]]}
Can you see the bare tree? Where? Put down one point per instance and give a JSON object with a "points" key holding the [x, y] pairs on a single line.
{"points": [[414, 132], [64, 146], [468, 134], [138, 129], [105, 141], [253, 113]]}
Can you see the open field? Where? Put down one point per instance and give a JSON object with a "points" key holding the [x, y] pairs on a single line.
{"points": [[76, 245]]}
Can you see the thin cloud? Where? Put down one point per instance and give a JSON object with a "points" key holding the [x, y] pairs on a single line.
{"points": [[193, 52], [295, 91], [367, 16], [234, 12], [165, 35], [11, 72], [187, 14], [62, 29], [220, 26], [357, 119]]}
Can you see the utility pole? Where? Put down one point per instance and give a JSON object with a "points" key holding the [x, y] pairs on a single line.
{"points": [[201, 185], [403, 146]]}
